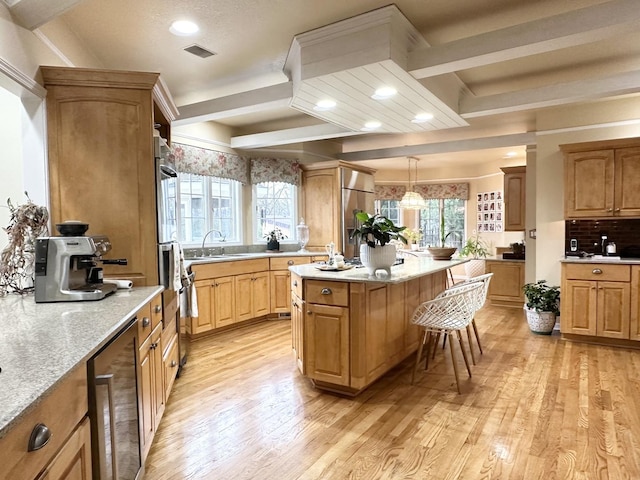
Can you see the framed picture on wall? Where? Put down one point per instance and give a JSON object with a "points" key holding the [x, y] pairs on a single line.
{"points": [[488, 205]]}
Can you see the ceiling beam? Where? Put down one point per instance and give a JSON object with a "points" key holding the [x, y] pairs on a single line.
{"points": [[513, 140], [547, 34], [32, 14], [551, 95], [252, 101], [322, 131]]}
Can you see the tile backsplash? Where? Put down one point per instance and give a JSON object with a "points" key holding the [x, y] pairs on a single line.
{"points": [[624, 232]]}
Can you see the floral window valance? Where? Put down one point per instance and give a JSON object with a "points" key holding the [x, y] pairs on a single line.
{"points": [[200, 161], [275, 170], [443, 190], [390, 192]]}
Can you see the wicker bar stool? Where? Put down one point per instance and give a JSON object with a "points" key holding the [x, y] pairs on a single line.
{"points": [[451, 311]]}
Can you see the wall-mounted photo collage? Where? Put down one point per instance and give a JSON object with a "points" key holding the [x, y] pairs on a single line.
{"points": [[490, 212]]}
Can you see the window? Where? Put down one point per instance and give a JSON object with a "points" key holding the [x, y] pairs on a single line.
{"points": [[454, 212], [275, 206], [389, 209], [206, 204]]}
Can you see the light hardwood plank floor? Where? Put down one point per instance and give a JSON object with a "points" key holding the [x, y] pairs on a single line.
{"points": [[536, 407]]}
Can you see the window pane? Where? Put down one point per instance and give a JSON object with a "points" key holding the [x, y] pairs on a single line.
{"points": [[275, 207], [454, 213], [389, 209]]}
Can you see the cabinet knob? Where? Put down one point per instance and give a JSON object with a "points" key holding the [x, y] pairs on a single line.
{"points": [[295, 283], [596, 271], [326, 291], [290, 262], [617, 210], [609, 209], [309, 312], [154, 345], [157, 308], [145, 321], [39, 437], [174, 363]]}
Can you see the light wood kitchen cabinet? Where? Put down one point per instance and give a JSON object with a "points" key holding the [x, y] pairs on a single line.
{"points": [[216, 304], [101, 160], [252, 296], [596, 300], [281, 281], [151, 390], [506, 284], [634, 325], [67, 454], [515, 198], [297, 331], [600, 179]]}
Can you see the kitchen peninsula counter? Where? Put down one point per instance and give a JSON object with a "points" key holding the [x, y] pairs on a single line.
{"points": [[349, 328], [41, 343]]}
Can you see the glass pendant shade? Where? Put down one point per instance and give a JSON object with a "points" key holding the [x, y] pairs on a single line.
{"points": [[412, 201]]}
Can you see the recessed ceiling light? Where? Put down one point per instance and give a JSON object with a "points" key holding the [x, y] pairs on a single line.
{"points": [[183, 28], [511, 154], [323, 105], [383, 93], [422, 117], [372, 125]]}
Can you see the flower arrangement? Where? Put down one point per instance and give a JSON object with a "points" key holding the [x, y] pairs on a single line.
{"points": [[412, 235], [275, 235]]}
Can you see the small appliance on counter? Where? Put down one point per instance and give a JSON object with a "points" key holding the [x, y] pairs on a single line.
{"points": [[66, 267]]}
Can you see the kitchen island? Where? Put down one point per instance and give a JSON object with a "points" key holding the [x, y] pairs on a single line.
{"points": [[349, 328]]}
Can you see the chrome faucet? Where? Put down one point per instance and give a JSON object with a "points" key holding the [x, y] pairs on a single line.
{"points": [[220, 235]]}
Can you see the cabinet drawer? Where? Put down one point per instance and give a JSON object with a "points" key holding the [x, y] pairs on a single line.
{"points": [[327, 293], [170, 361], [144, 322], [296, 285], [598, 271], [60, 411], [283, 263], [156, 311]]}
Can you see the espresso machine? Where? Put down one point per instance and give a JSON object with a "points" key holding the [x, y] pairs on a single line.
{"points": [[66, 268]]}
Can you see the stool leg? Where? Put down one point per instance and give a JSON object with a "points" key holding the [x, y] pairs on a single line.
{"points": [[473, 357], [418, 355], [475, 330], [464, 354], [436, 344], [455, 367]]}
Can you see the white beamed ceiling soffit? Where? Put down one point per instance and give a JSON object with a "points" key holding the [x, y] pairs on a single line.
{"points": [[347, 61]]}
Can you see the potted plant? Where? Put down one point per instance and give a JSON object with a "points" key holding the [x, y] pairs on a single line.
{"points": [[542, 306], [442, 252], [413, 236], [375, 234], [273, 239], [478, 251]]}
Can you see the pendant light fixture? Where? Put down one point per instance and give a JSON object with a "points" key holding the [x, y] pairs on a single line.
{"points": [[412, 200]]}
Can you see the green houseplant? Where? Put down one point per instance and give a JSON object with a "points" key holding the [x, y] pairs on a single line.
{"points": [[542, 305], [478, 251], [273, 239], [375, 234]]}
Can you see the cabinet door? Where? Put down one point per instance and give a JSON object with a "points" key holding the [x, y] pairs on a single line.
{"points": [[205, 319], [321, 207], [506, 284], [634, 328], [224, 301], [145, 394], [589, 184], [260, 294], [280, 291], [627, 173], [243, 294], [170, 365], [514, 198], [297, 332], [613, 309], [158, 377], [413, 333], [326, 341], [73, 461], [579, 307]]}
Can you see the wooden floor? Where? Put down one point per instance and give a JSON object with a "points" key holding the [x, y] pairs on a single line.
{"points": [[536, 407]]}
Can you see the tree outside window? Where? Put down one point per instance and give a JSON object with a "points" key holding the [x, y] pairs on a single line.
{"points": [[275, 206], [454, 214]]}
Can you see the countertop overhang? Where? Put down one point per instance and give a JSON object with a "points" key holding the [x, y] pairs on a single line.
{"points": [[600, 259], [43, 342]]}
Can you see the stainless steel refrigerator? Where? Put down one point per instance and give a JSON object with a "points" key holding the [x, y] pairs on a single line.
{"points": [[357, 196]]}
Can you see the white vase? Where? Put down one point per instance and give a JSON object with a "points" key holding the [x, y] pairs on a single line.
{"points": [[541, 323], [378, 258]]}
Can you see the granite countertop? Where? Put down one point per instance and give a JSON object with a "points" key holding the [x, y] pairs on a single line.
{"points": [[499, 258], [228, 257], [601, 259], [42, 342], [413, 267]]}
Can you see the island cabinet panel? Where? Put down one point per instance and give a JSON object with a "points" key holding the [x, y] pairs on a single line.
{"points": [[297, 332], [327, 343], [413, 333], [376, 330], [634, 327]]}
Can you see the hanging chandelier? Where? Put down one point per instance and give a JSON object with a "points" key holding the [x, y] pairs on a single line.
{"points": [[412, 200]]}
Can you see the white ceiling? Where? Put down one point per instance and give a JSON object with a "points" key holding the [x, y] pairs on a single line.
{"points": [[510, 58]]}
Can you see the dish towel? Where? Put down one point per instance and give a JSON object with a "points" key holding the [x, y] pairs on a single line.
{"points": [[193, 300], [174, 268]]}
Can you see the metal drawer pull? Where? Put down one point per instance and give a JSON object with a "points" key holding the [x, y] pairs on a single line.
{"points": [[157, 308], [145, 321], [173, 363], [295, 283], [596, 271], [40, 436], [290, 262], [326, 291]]}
